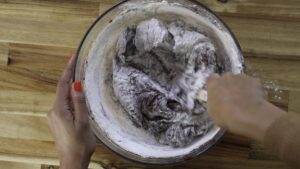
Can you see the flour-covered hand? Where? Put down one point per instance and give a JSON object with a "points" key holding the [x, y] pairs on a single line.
{"points": [[237, 103]]}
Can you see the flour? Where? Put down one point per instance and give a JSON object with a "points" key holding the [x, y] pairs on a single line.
{"points": [[157, 73]]}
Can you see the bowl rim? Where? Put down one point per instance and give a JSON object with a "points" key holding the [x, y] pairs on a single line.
{"points": [[146, 160]]}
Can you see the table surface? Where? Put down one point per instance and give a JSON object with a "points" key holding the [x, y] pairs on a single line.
{"points": [[36, 38]]}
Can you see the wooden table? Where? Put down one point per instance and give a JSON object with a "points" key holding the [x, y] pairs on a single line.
{"points": [[36, 38]]}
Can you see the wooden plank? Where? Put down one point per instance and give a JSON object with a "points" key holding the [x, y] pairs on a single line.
{"points": [[16, 165], [98, 1], [25, 102], [27, 147], [284, 74], [36, 148], [15, 129], [34, 67], [271, 9], [231, 163], [45, 61], [258, 152], [233, 139], [20, 126], [266, 38], [110, 1], [42, 162], [215, 157], [4, 54], [294, 102], [106, 5], [23, 134], [49, 167], [56, 23], [22, 79], [277, 96]]}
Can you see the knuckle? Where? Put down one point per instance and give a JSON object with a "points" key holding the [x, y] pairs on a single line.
{"points": [[79, 99]]}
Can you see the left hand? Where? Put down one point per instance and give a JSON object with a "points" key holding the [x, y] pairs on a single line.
{"points": [[69, 123]]}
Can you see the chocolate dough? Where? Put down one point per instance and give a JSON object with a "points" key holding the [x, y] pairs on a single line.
{"points": [[157, 72]]}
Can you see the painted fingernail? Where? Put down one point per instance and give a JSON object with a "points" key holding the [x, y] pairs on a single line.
{"points": [[78, 86]]}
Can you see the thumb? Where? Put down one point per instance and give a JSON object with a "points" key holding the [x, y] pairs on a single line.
{"points": [[79, 101]]}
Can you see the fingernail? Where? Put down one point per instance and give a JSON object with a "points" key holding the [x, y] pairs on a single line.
{"points": [[70, 59], [77, 86]]}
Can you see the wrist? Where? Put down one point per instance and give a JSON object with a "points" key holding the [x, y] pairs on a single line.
{"points": [[268, 114]]}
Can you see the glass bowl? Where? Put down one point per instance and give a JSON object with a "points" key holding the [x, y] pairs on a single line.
{"points": [[94, 68]]}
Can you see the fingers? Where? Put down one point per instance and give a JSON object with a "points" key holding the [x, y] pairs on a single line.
{"points": [[213, 77], [211, 81], [66, 79], [49, 120], [80, 108]]}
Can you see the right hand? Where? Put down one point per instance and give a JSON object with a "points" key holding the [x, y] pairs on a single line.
{"points": [[236, 103]]}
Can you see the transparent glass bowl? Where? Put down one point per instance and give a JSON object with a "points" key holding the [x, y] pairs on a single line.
{"points": [[94, 67]]}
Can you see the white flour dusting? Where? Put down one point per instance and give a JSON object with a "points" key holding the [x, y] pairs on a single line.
{"points": [[158, 70]]}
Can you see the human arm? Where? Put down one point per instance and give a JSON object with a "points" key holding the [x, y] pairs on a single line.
{"points": [[237, 103]]}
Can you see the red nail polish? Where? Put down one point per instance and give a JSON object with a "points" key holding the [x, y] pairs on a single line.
{"points": [[78, 86]]}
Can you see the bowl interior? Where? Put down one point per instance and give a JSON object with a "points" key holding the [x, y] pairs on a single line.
{"points": [[109, 121]]}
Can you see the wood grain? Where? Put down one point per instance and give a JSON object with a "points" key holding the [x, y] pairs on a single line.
{"points": [[267, 9], [30, 127], [16, 165], [231, 158], [40, 35], [266, 38], [25, 102], [56, 23], [270, 9], [4, 54], [34, 67], [42, 162], [20, 126], [284, 74], [33, 75], [49, 167], [294, 102]]}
